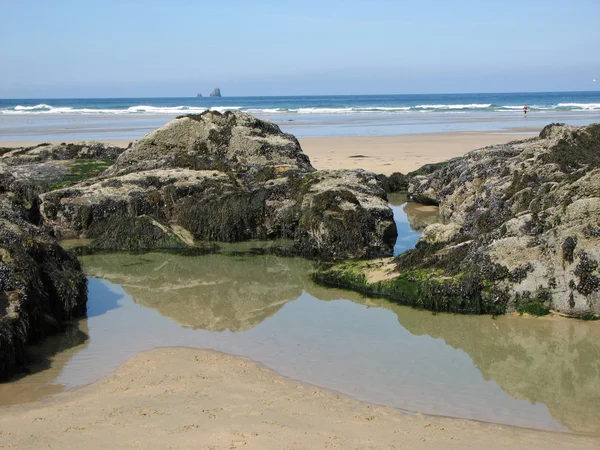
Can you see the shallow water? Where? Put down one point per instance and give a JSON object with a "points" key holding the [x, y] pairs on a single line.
{"points": [[541, 373]]}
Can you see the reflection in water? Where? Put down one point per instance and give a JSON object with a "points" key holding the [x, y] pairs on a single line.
{"points": [[215, 292], [541, 373], [553, 361], [411, 218]]}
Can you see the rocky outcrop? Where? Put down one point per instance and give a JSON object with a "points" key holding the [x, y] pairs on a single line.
{"points": [[229, 142], [27, 172], [41, 286], [87, 150], [522, 230], [224, 177], [216, 92]]}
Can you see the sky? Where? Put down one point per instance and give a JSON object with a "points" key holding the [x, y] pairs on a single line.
{"points": [[151, 48]]}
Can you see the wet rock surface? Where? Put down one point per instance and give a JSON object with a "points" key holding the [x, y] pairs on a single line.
{"points": [[521, 230], [224, 177]]}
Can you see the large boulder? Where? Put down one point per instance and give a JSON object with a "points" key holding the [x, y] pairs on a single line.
{"points": [[531, 207], [41, 286], [224, 177], [522, 230], [233, 141]]}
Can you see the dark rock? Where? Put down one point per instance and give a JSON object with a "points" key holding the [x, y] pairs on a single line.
{"points": [[216, 92], [41, 286], [396, 182]]}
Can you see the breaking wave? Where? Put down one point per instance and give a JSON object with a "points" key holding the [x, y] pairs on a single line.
{"points": [[44, 108]]}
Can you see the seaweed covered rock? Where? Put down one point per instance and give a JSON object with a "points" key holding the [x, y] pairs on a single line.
{"points": [[27, 172], [88, 150], [328, 214], [227, 178], [41, 286], [521, 230], [343, 212], [233, 141], [396, 182]]}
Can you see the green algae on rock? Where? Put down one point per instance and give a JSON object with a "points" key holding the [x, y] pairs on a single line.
{"points": [[517, 232], [227, 178]]}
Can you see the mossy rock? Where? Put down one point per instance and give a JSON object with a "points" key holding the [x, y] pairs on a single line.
{"points": [[465, 293]]}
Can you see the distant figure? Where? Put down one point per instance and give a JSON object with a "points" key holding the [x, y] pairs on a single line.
{"points": [[525, 108]]}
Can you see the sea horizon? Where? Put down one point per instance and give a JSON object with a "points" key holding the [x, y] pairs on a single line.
{"points": [[305, 95], [304, 116]]}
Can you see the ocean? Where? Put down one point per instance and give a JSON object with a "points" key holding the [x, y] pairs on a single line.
{"points": [[305, 116]]}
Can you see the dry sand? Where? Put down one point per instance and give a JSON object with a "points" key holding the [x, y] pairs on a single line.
{"points": [[187, 398], [379, 154], [388, 154]]}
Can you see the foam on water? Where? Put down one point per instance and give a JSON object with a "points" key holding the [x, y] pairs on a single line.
{"points": [[138, 109], [470, 106], [82, 107], [580, 106]]}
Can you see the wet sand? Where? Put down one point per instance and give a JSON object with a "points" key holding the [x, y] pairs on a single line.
{"points": [[379, 154], [187, 398]]}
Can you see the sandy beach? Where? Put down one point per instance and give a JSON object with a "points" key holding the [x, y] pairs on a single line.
{"points": [[187, 398], [379, 154], [388, 154]]}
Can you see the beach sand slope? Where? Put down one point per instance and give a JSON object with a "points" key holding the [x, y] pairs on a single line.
{"points": [[187, 398]]}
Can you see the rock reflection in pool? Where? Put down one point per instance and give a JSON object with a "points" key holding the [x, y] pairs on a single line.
{"points": [[529, 372], [215, 292], [411, 219]]}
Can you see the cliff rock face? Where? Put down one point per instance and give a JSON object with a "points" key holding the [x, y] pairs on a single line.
{"points": [[521, 231], [224, 177], [216, 92], [41, 286]]}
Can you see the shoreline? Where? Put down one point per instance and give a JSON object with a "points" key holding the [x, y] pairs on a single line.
{"points": [[189, 397], [378, 154]]}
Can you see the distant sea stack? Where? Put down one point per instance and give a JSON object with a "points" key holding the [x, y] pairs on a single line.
{"points": [[198, 95], [216, 92]]}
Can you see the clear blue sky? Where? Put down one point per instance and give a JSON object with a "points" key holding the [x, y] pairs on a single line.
{"points": [[69, 48]]}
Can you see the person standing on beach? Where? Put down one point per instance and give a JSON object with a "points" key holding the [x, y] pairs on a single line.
{"points": [[525, 108]]}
